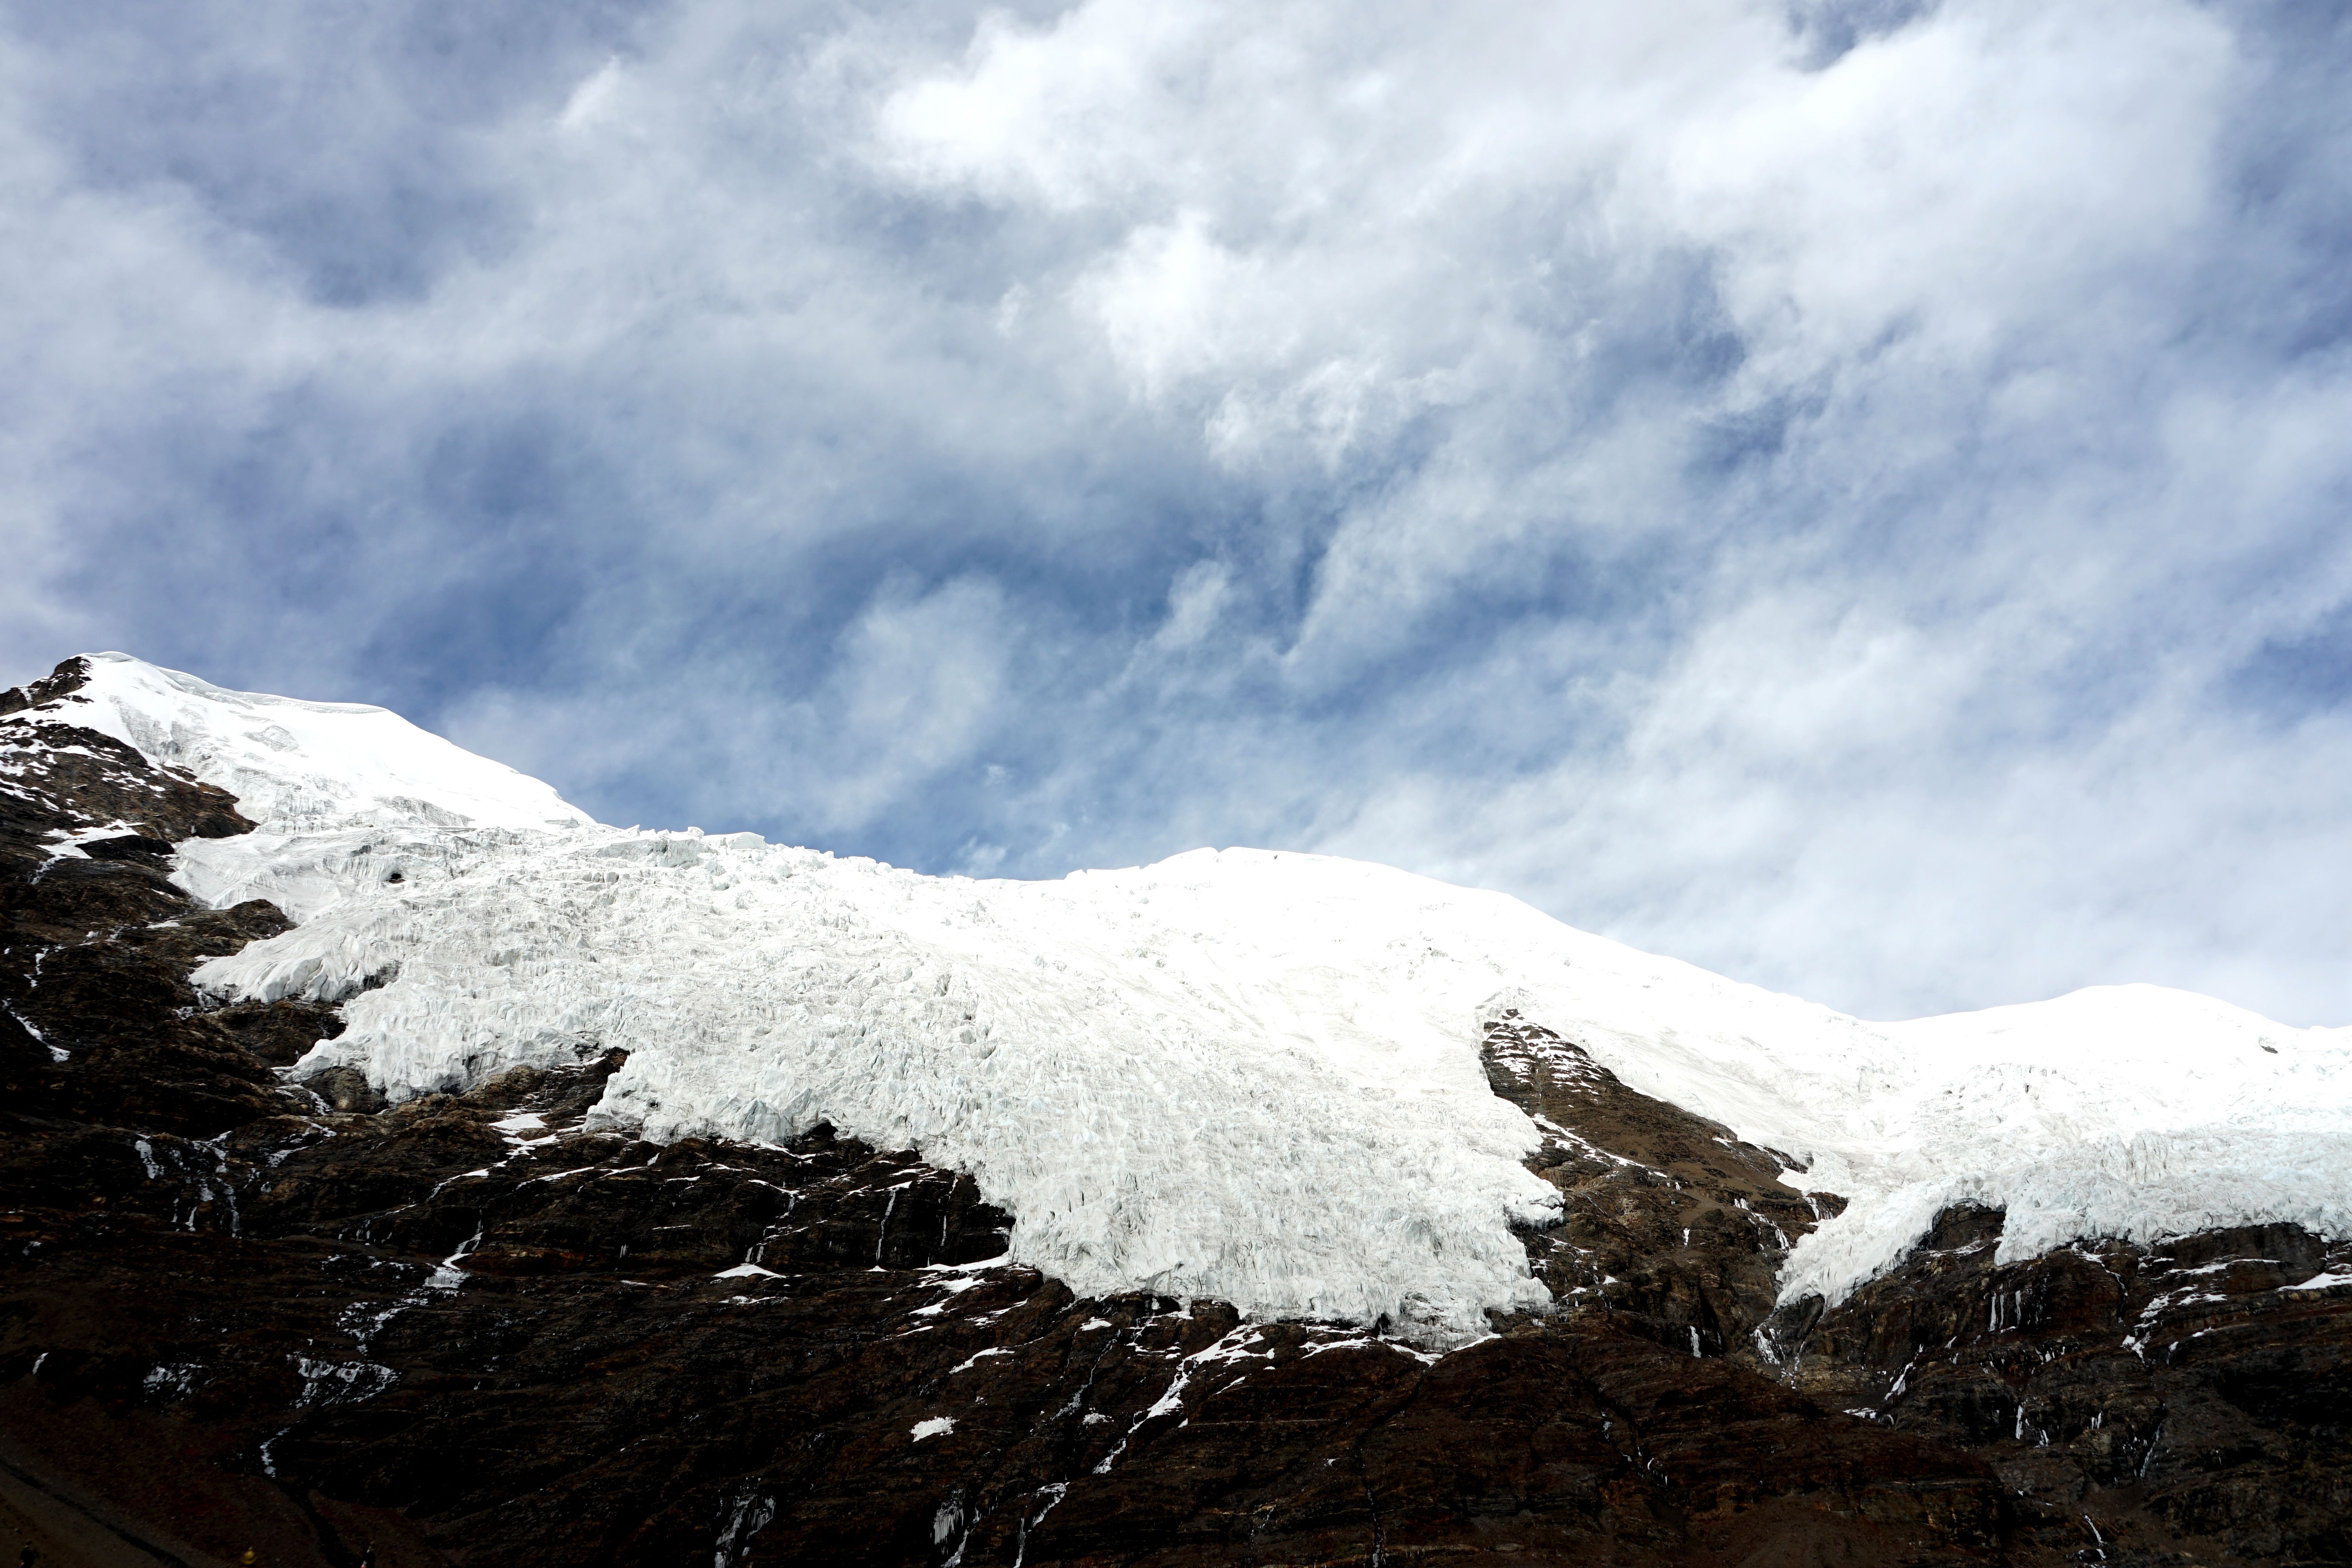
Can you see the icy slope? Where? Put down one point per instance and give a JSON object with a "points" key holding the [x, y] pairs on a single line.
{"points": [[1234, 1074], [296, 765], [1172, 1078]]}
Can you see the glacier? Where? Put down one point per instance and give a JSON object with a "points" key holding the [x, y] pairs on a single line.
{"points": [[1237, 1074]]}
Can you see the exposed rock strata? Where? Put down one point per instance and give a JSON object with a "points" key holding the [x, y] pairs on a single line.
{"points": [[238, 1312]]}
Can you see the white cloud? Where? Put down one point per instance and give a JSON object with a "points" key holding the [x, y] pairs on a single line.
{"points": [[1988, 172], [1195, 601], [1174, 304], [915, 692], [594, 98], [1809, 511]]}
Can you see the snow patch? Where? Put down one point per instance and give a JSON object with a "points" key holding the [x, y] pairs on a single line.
{"points": [[2327, 1282]]}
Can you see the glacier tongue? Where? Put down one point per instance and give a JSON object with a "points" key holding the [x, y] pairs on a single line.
{"points": [[1235, 1074]]}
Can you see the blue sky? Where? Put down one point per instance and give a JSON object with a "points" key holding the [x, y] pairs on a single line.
{"points": [[1853, 495]]}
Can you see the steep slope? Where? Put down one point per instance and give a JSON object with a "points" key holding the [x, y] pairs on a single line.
{"points": [[600, 1288], [291, 763]]}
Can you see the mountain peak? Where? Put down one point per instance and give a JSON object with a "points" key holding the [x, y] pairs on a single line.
{"points": [[296, 765]]}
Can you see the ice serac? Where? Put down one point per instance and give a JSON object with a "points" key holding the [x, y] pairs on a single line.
{"points": [[1235, 1074]]}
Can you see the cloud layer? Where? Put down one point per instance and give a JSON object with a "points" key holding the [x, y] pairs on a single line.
{"points": [[1851, 495]]}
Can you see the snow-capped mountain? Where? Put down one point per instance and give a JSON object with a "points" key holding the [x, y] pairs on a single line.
{"points": [[1237, 1074], [395, 1162]]}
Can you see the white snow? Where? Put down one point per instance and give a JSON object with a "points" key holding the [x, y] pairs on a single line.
{"points": [[68, 846], [937, 1427], [521, 1126], [2331, 1281], [294, 763], [1235, 1074]]}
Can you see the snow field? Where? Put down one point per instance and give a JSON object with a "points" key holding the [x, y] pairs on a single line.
{"points": [[307, 762]]}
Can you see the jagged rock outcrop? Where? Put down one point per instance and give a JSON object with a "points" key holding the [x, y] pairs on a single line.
{"points": [[1673, 1228], [238, 1313]]}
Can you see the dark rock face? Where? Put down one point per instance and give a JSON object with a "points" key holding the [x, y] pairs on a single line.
{"points": [[2186, 1397], [1674, 1229], [2187, 1402], [63, 773], [237, 1313], [95, 1016]]}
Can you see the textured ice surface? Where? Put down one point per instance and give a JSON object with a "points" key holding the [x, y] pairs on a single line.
{"points": [[1174, 1078], [1237, 1074]]}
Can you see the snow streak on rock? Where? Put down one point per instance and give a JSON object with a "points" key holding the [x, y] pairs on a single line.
{"points": [[1235, 1074]]}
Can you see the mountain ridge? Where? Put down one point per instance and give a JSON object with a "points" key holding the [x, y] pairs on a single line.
{"points": [[978, 1018], [478, 1324]]}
